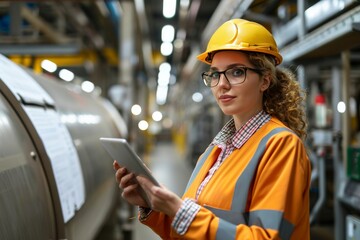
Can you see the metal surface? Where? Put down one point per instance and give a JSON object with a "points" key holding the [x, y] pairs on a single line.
{"points": [[25, 202], [29, 203], [325, 40], [339, 176], [87, 120], [308, 19]]}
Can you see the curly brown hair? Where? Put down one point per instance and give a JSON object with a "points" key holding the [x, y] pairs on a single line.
{"points": [[284, 98]]}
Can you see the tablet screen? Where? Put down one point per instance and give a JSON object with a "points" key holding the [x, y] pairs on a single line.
{"points": [[120, 150]]}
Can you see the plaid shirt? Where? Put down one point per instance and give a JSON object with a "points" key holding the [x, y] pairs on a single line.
{"points": [[227, 140]]}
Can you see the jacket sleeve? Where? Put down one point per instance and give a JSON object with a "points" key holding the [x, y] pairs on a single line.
{"points": [[277, 203]]}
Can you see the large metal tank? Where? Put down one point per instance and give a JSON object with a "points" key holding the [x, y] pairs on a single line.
{"points": [[26, 209], [30, 204], [88, 118]]}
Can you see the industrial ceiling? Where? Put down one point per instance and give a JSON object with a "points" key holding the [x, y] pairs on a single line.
{"points": [[92, 28], [87, 31]]}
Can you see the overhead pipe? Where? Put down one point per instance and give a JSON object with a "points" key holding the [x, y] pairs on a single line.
{"points": [[302, 19], [145, 39], [338, 164]]}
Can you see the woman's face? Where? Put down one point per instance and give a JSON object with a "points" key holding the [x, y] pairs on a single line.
{"points": [[243, 100]]}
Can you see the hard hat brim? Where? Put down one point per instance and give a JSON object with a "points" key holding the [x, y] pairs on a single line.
{"points": [[206, 57]]}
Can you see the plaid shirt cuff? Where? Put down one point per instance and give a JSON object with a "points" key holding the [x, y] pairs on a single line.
{"points": [[144, 213], [184, 216]]}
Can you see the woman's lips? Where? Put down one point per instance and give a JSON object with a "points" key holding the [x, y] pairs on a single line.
{"points": [[226, 98]]}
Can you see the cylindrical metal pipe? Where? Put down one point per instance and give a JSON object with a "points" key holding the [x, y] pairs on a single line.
{"points": [[302, 20]]}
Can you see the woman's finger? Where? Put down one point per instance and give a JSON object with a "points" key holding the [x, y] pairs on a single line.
{"points": [[129, 190], [143, 181], [116, 166], [120, 173], [127, 179]]}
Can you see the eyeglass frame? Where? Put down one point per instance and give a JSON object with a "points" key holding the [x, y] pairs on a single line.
{"points": [[258, 71]]}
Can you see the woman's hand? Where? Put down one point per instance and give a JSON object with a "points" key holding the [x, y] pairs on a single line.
{"points": [[128, 183], [161, 199]]}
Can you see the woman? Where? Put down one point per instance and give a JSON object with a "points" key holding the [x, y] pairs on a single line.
{"points": [[253, 180]]}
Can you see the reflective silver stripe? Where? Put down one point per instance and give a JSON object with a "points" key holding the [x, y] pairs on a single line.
{"points": [[230, 216], [225, 230], [271, 219], [199, 165], [268, 219], [244, 181]]}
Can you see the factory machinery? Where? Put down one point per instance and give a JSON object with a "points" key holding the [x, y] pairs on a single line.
{"points": [[56, 180]]}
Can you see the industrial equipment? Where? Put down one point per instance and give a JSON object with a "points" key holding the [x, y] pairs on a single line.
{"points": [[56, 180]]}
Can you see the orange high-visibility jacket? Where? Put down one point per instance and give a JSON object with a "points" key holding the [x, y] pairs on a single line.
{"points": [[261, 191]]}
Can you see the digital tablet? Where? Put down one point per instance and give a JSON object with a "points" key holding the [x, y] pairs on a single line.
{"points": [[120, 150]]}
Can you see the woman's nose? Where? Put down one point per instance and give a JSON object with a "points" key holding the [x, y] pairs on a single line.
{"points": [[223, 81]]}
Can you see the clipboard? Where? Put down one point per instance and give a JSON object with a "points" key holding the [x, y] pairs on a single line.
{"points": [[120, 150]]}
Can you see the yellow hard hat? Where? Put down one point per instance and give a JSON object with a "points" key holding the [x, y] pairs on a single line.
{"points": [[240, 34]]}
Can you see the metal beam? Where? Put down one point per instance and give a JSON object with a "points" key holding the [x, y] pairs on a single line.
{"points": [[330, 34], [53, 35], [43, 49]]}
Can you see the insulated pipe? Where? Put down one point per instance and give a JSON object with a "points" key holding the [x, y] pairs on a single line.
{"points": [[301, 16], [321, 167], [345, 59], [339, 172], [301, 76], [127, 56]]}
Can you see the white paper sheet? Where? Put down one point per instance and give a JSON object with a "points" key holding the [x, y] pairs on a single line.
{"points": [[21, 83], [63, 156], [53, 133]]}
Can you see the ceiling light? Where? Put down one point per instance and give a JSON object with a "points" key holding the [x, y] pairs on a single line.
{"points": [[143, 125], [157, 116], [165, 67], [66, 75], [341, 107], [163, 81], [48, 65], [161, 94], [169, 8], [166, 48], [167, 33], [136, 109], [197, 97], [87, 86]]}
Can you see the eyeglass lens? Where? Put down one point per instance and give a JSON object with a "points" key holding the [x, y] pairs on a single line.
{"points": [[234, 76]]}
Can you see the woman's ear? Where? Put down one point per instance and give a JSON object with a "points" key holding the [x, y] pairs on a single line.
{"points": [[265, 83]]}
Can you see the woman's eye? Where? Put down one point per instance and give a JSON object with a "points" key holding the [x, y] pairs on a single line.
{"points": [[214, 75], [236, 72]]}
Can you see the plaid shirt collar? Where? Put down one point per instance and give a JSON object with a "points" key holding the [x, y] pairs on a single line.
{"points": [[239, 137]]}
